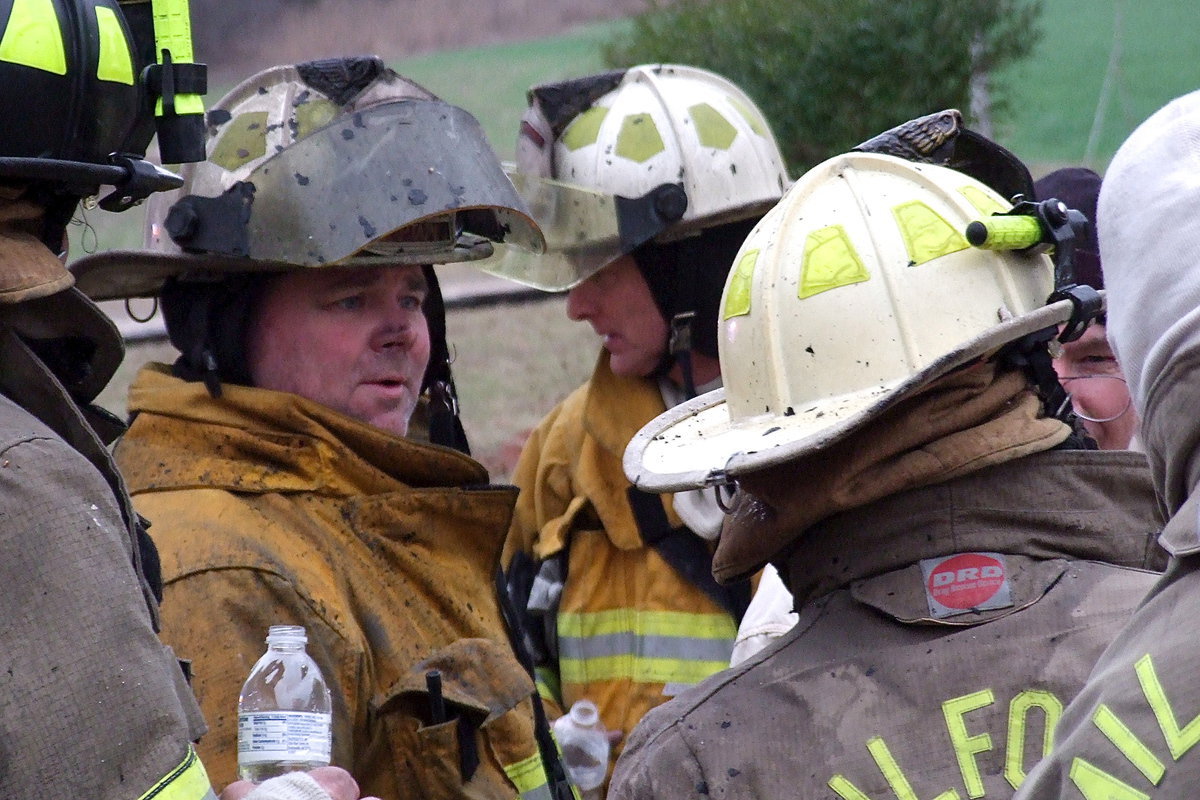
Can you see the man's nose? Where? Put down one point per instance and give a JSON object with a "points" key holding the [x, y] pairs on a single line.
{"points": [[397, 327], [581, 301]]}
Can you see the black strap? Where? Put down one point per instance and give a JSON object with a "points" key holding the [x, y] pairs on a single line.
{"points": [[556, 771], [686, 552]]}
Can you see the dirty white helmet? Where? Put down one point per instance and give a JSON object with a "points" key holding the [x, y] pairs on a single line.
{"points": [[856, 290], [339, 162], [656, 152]]}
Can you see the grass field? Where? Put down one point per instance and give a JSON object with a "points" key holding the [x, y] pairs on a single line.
{"points": [[514, 362]]}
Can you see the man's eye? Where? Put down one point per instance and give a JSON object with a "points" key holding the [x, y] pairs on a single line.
{"points": [[411, 303], [351, 303]]}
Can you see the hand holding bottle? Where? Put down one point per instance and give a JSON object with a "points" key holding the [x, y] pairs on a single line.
{"points": [[335, 782]]}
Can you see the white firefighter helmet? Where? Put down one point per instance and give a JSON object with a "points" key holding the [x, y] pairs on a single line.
{"points": [[856, 290], [652, 153]]}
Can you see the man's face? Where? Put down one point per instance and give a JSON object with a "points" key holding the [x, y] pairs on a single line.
{"points": [[1090, 374], [353, 339], [618, 304]]}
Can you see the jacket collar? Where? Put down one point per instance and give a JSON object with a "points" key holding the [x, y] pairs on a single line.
{"points": [[639, 400], [1078, 504], [257, 440]]}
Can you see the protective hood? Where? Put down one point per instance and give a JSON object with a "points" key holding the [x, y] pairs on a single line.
{"points": [[1149, 226]]}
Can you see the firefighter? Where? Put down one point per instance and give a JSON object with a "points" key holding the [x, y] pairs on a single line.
{"points": [[302, 460], [646, 181], [903, 454]]}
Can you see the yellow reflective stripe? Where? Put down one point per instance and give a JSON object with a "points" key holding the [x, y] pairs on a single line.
{"points": [[1095, 784], [1179, 740], [753, 119], [115, 63], [638, 669], [966, 747], [184, 104], [712, 128], [830, 261], [984, 202], [638, 139], [737, 296], [646, 623], [895, 776], [1127, 742], [1018, 712], [927, 235], [33, 37], [173, 29], [548, 685], [584, 129], [643, 646], [188, 781], [529, 776]]}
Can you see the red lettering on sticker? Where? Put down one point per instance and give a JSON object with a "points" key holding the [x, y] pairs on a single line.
{"points": [[966, 581]]}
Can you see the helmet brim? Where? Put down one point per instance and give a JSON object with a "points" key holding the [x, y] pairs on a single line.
{"points": [[697, 444]]}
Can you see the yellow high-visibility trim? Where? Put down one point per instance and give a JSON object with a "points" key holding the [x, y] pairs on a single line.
{"points": [[646, 623], [966, 746], [1179, 740], [188, 781], [753, 119], [548, 685], [830, 261], [637, 669], [984, 202], [173, 29], [33, 37], [184, 104], [927, 235], [639, 139], [1018, 712], [529, 776], [1127, 742], [712, 128], [1096, 784], [895, 776], [737, 297], [584, 129], [115, 63]]}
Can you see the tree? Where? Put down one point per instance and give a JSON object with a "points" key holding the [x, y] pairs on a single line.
{"points": [[829, 74]]}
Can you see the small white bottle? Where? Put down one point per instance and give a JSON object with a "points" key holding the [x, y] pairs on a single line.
{"points": [[284, 710], [585, 747]]}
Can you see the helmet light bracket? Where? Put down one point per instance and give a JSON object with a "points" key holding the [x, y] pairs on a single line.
{"points": [[1046, 226]]}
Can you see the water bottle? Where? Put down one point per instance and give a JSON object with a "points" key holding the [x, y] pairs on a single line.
{"points": [[584, 744], [284, 710]]}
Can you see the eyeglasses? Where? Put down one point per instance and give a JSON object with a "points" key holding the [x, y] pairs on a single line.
{"points": [[1098, 398]]}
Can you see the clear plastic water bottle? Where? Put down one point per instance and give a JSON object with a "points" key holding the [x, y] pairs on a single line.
{"points": [[585, 747], [284, 711]]}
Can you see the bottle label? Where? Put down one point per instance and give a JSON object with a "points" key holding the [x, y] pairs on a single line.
{"points": [[284, 736]]}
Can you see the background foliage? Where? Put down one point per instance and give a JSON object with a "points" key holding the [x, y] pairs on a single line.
{"points": [[830, 73]]}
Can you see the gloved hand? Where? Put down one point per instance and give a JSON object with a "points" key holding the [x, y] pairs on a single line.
{"points": [[322, 783]]}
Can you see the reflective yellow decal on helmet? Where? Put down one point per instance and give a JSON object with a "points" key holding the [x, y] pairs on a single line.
{"points": [[313, 115], [638, 139], [115, 63], [927, 234], [753, 118], [244, 140], [830, 261], [712, 129], [33, 37], [986, 203], [584, 129], [737, 296]]}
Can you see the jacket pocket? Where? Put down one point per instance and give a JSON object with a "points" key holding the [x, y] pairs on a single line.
{"points": [[477, 740]]}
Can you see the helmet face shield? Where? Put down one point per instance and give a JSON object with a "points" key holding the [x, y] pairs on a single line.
{"points": [[368, 175]]}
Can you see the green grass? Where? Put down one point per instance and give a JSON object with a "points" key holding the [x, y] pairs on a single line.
{"points": [[1056, 92]]}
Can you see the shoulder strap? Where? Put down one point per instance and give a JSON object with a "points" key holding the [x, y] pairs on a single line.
{"points": [[686, 552]]}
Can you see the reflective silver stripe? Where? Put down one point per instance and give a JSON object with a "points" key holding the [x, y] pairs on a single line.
{"points": [[675, 648]]}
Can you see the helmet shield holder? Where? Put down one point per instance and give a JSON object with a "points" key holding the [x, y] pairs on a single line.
{"points": [[585, 230], [330, 195]]}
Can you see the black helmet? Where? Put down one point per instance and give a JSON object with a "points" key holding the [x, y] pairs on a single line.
{"points": [[78, 104]]}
